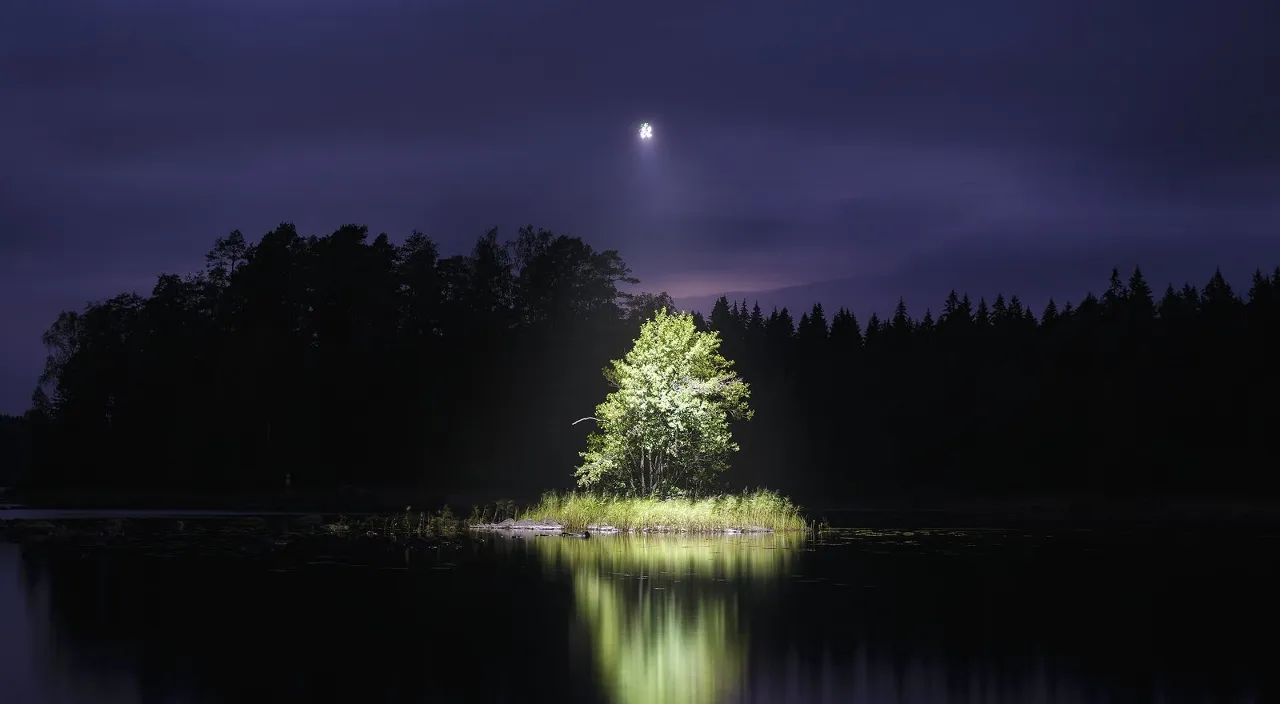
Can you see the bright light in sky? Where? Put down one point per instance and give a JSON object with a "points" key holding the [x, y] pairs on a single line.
{"points": [[646, 130]]}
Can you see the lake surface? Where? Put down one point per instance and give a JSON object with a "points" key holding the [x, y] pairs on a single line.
{"points": [[855, 616]]}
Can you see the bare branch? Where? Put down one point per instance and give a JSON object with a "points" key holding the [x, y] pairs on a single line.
{"points": [[587, 418]]}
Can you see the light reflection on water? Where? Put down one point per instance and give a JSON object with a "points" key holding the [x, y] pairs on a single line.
{"points": [[872, 677], [670, 618], [33, 667], [866, 617], [664, 611]]}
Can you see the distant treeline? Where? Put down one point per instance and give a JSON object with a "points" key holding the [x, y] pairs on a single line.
{"points": [[345, 360], [15, 448]]}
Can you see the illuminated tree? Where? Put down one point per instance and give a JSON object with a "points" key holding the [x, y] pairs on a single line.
{"points": [[664, 430]]}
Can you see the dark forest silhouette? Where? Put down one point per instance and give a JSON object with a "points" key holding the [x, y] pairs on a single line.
{"points": [[347, 360]]}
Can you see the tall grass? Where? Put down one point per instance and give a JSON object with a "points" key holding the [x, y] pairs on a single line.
{"points": [[441, 524], [761, 509]]}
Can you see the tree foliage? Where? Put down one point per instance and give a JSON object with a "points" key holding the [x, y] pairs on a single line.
{"points": [[665, 429], [347, 359], [341, 359]]}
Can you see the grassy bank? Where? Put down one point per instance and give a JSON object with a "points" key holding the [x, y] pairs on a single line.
{"points": [[762, 509], [399, 526]]}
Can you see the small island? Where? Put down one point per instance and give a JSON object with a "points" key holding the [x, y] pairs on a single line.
{"points": [[663, 440]]}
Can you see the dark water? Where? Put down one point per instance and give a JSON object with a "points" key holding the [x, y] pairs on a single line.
{"points": [[860, 616]]}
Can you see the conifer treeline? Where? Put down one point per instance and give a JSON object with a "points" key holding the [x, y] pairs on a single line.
{"points": [[346, 360], [1119, 395]]}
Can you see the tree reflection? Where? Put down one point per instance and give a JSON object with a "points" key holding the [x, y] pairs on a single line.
{"points": [[663, 610]]}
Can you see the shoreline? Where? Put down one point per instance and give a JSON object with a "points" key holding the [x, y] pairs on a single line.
{"points": [[867, 512], [1083, 512], [546, 527], [351, 501]]}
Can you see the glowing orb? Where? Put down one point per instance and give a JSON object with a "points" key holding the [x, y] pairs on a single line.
{"points": [[646, 130]]}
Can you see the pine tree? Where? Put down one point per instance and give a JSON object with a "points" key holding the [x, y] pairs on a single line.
{"points": [[951, 307], [780, 328], [1170, 304], [926, 323], [721, 317], [1141, 303], [818, 319], [1191, 298], [845, 335], [871, 338], [999, 311], [1114, 298], [1050, 315], [755, 326], [901, 323], [1218, 302], [965, 312], [1016, 312], [1089, 309]]}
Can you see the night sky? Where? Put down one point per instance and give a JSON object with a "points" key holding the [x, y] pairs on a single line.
{"points": [[856, 149]]}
